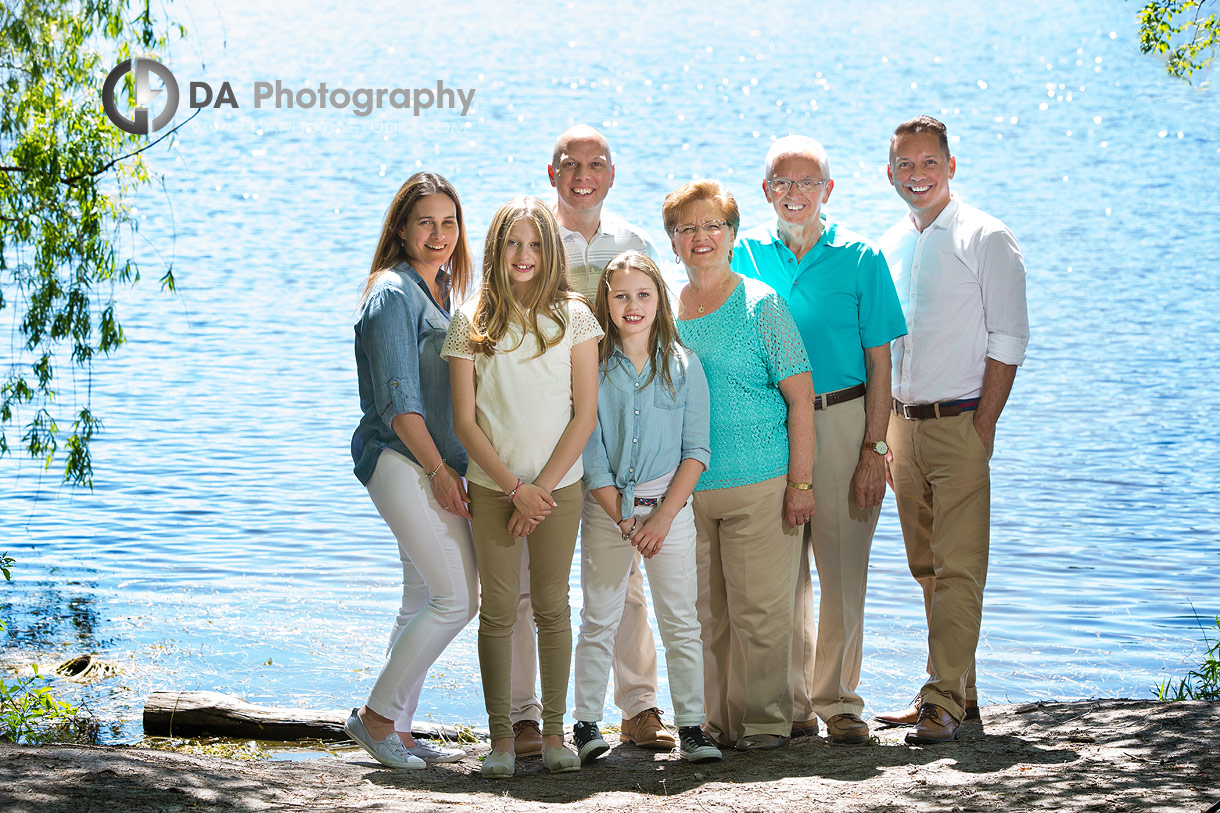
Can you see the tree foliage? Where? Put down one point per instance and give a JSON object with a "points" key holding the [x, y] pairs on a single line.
{"points": [[1185, 32], [66, 177]]}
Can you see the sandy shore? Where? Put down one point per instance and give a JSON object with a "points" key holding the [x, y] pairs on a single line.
{"points": [[1100, 755]]}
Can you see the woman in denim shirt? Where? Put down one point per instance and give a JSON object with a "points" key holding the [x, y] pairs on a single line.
{"points": [[406, 454], [641, 465]]}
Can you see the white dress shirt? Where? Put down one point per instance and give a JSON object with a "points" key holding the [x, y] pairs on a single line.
{"points": [[961, 282], [587, 259]]}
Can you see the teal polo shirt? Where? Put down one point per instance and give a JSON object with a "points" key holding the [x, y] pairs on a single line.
{"points": [[841, 296]]}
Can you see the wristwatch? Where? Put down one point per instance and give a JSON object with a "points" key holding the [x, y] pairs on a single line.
{"points": [[880, 447]]}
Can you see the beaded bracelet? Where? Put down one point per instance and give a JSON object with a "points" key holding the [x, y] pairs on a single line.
{"points": [[635, 523], [432, 473]]}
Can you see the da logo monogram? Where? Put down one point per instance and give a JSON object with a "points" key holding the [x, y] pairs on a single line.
{"points": [[139, 123]]}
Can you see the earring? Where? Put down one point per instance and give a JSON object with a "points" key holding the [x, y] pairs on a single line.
{"points": [[676, 260], [730, 255]]}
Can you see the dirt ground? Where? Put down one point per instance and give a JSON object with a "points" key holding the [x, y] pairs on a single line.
{"points": [[1099, 755]]}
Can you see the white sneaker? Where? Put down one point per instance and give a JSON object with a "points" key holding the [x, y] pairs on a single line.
{"points": [[390, 752], [430, 752]]}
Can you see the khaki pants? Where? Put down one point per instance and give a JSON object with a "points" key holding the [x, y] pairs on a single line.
{"points": [[634, 664], [942, 483], [747, 561], [825, 675], [551, 546]]}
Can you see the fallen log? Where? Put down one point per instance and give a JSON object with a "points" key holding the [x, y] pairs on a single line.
{"points": [[193, 714]]}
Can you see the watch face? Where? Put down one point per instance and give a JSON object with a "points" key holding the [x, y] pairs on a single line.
{"points": [[881, 447]]}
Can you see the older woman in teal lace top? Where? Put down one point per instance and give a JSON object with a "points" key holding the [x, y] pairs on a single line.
{"points": [[756, 494]]}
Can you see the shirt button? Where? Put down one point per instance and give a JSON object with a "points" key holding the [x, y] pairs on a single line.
{"points": [[394, 383], [630, 471], [637, 412], [635, 440], [637, 383]]}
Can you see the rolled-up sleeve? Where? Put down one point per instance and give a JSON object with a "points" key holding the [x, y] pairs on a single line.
{"points": [[389, 334], [596, 462], [696, 420], [1005, 311]]}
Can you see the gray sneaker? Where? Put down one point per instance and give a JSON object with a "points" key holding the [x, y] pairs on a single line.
{"points": [[390, 752], [694, 745], [434, 752]]}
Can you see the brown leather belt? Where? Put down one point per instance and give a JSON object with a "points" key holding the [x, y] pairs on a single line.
{"points": [[829, 399], [925, 412]]}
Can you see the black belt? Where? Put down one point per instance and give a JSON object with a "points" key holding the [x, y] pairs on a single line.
{"points": [[944, 409], [829, 399]]}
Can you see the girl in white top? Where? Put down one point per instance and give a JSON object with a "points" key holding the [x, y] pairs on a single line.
{"points": [[523, 373]]}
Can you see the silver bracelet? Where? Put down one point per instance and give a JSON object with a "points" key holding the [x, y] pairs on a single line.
{"points": [[635, 523], [432, 473]]}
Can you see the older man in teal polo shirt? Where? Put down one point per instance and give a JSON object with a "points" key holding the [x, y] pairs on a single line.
{"points": [[842, 298]]}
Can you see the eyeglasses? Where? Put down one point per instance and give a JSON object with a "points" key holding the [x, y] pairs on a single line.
{"points": [[781, 185], [711, 227]]}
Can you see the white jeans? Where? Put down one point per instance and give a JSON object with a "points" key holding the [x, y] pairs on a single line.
{"points": [[605, 561], [440, 584]]}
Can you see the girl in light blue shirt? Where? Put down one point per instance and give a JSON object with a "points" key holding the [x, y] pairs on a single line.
{"points": [[641, 466]]}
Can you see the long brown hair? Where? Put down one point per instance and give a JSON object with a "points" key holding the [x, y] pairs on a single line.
{"points": [[497, 307], [663, 338], [391, 251]]}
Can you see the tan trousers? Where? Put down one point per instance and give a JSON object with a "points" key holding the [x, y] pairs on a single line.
{"points": [[942, 483], [634, 664], [498, 553], [747, 561], [825, 674]]}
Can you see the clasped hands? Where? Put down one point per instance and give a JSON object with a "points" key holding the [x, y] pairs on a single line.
{"points": [[649, 535], [531, 505]]}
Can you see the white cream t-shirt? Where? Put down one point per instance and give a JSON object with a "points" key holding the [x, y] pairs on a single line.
{"points": [[523, 401]]}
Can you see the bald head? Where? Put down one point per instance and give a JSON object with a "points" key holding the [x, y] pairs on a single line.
{"points": [[801, 147], [582, 175], [578, 133]]}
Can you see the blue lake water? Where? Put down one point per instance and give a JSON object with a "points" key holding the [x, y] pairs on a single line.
{"points": [[227, 546]]}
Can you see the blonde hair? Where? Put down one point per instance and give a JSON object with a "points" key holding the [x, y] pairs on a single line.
{"points": [[498, 307], [391, 251], [663, 338]]}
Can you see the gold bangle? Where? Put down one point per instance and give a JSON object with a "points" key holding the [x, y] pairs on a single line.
{"points": [[800, 486]]}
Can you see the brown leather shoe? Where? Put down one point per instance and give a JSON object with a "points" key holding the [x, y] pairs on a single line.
{"points": [[910, 715], [647, 731], [527, 738], [806, 728], [935, 725], [847, 729]]}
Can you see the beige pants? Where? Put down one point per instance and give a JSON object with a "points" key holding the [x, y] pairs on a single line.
{"points": [[498, 553], [942, 483], [747, 561], [825, 674], [634, 664]]}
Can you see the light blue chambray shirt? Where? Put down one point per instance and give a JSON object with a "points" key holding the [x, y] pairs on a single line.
{"points": [[643, 431], [399, 369]]}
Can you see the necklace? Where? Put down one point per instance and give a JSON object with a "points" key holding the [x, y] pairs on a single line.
{"points": [[700, 306]]}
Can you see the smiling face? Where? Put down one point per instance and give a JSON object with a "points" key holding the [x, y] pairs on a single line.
{"points": [[632, 300], [798, 207], [522, 253], [702, 249], [582, 173], [920, 170], [430, 233]]}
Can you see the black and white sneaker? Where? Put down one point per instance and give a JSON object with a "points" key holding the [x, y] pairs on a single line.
{"points": [[694, 745], [589, 742]]}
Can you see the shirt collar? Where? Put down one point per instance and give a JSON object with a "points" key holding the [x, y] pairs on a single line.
{"points": [[829, 235], [942, 220], [567, 234]]}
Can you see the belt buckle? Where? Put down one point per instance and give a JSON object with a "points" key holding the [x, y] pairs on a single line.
{"points": [[906, 411]]}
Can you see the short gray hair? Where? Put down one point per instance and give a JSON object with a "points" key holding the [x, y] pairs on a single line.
{"points": [[797, 145]]}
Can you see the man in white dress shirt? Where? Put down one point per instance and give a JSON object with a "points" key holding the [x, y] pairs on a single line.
{"points": [[961, 281], [582, 173]]}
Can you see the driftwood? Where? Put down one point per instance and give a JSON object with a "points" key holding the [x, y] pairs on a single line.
{"points": [[192, 714]]}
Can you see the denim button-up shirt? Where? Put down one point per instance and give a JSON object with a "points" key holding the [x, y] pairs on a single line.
{"points": [[644, 431], [399, 334]]}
